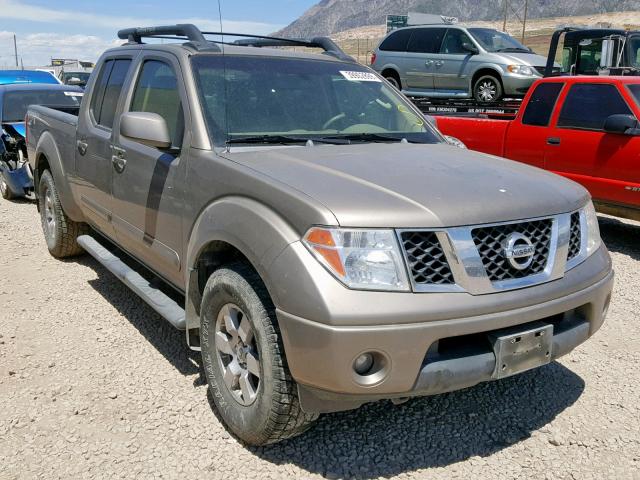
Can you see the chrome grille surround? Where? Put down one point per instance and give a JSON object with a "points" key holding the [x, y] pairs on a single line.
{"points": [[467, 266]]}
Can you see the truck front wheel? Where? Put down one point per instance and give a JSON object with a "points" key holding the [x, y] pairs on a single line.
{"points": [[244, 359], [60, 232]]}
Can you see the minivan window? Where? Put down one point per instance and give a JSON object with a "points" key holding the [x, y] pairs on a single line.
{"points": [[453, 41], [261, 97], [157, 92], [397, 41], [588, 106], [541, 104], [495, 41], [426, 40], [109, 86]]}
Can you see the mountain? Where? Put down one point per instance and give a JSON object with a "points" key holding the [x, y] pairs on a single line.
{"points": [[332, 16]]}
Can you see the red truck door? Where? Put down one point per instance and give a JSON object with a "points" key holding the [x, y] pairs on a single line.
{"points": [[526, 140], [577, 147]]}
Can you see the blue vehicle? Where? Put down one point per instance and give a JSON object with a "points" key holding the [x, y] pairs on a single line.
{"points": [[16, 179], [27, 76]]}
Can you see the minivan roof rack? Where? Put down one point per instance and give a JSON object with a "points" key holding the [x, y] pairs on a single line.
{"points": [[196, 38]]}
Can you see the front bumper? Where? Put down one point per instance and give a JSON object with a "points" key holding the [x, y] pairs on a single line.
{"points": [[517, 84], [19, 181], [321, 355]]}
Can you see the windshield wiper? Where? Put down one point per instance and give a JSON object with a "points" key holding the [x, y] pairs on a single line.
{"points": [[282, 140], [367, 137]]}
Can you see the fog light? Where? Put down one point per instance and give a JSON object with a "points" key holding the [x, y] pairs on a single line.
{"points": [[363, 364]]}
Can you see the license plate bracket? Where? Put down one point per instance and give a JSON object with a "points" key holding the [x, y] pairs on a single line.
{"points": [[519, 349]]}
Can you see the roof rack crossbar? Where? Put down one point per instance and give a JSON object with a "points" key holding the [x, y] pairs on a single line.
{"points": [[325, 43], [181, 31]]}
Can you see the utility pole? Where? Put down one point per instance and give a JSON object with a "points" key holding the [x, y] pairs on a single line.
{"points": [[15, 48], [524, 19], [506, 14]]}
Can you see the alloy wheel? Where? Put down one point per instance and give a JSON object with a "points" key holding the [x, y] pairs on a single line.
{"points": [[49, 214], [487, 91], [238, 354]]}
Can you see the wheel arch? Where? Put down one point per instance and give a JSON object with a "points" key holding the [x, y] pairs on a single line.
{"points": [[48, 157], [481, 72], [229, 230]]}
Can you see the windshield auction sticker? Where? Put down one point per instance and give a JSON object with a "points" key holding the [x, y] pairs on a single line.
{"points": [[360, 76], [74, 94]]}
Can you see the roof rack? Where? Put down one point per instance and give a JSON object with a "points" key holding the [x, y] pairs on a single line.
{"points": [[195, 37]]}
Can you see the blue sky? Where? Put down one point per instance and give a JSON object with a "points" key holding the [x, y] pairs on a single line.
{"points": [[84, 28]]}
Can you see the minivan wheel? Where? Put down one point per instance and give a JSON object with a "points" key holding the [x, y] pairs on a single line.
{"points": [[244, 359], [393, 79], [487, 89], [60, 232]]}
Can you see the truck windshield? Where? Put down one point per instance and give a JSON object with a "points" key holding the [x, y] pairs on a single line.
{"points": [[252, 100], [495, 41], [15, 104]]}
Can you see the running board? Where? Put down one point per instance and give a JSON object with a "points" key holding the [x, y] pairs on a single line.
{"points": [[156, 299]]}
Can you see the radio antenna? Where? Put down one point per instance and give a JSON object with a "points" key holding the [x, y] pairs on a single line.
{"points": [[224, 79]]}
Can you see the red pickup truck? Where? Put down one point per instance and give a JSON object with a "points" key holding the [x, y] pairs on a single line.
{"points": [[584, 128]]}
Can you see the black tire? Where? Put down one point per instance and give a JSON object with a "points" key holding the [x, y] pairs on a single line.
{"points": [[274, 414], [5, 191], [487, 89], [394, 79], [60, 232]]}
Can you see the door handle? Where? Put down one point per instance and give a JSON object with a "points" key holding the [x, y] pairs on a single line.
{"points": [[439, 63], [117, 159], [82, 147], [428, 63], [553, 141]]}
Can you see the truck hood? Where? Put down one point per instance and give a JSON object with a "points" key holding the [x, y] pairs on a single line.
{"points": [[412, 185], [531, 59]]}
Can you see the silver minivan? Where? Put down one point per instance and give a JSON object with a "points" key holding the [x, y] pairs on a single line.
{"points": [[455, 61]]}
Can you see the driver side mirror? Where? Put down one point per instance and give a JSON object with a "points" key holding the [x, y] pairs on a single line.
{"points": [[145, 127], [470, 47], [622, 125]]}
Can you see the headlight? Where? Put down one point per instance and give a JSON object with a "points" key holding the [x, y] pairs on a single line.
{"points": [[361, 259], [521, 70], [593, 229]]}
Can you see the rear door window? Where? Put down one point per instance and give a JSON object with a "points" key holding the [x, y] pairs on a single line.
{"points": [[397, 41], [541, 104], [107, 90], [588, 106], [426, 40], [157, 92]]}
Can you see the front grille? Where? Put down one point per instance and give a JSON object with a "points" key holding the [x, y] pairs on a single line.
{"points": [[490, 243], [426, 259], [575, 236]]}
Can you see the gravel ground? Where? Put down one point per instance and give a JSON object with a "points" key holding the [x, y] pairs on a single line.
{"points": [[93, 384]]}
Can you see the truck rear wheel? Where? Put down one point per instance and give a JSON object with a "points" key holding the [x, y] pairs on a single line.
{"points": [[60, 232], [244, 359]]}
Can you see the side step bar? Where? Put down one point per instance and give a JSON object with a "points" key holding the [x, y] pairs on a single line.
{"points": [[156, 299]]}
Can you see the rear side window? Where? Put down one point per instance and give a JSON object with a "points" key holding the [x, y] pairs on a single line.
{"points": [[107, 91], [635, 91], [157, 92], [587, 106], [426, 40], [541, 104], [397, 41]]}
